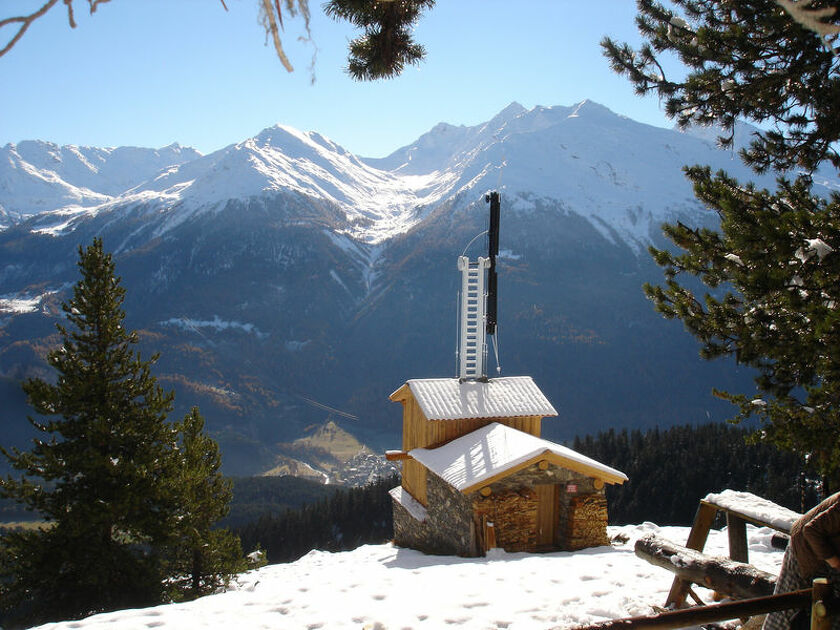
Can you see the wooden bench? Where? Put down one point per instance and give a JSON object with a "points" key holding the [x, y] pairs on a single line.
{"points": [[740, 508]]}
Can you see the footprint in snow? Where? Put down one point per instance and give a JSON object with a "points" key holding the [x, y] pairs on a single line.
{"points": [[457, 622]]}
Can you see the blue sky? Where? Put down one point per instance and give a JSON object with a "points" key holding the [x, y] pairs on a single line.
{"points": [[153, 72]]}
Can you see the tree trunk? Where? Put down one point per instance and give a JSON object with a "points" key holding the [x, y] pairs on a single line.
{"points": [[734, 579], [196, 573]]}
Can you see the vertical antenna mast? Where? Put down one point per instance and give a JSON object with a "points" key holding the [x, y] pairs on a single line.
{"points": [[493, 236], [477, 310]]}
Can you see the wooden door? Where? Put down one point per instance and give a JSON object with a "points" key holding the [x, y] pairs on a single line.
{"points": [[547, 515]]}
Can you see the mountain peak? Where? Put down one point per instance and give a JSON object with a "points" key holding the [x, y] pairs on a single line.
{"points": [[510, 112], [591, 109]]}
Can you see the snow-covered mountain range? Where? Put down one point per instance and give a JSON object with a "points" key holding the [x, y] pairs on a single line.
{"points": [[284, 271], [605, 167]]}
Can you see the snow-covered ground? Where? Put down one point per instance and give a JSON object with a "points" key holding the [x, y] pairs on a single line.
{"points": [[384, 587]]}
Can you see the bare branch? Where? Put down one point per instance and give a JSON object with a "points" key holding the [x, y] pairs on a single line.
{"points": [[70, 17], [93, 4], [270, 24], [24, 21]]}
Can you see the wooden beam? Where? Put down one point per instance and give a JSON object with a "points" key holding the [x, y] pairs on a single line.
{"points": [[703, 519], [755, 520], [735, 579], [401, 395], [707, 614], [553, 458], [736, 527], [397, 455]]}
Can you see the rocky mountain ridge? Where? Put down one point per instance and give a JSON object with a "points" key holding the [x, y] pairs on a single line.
{"points": [[283, 276]]}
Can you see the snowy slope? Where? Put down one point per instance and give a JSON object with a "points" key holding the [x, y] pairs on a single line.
{"points": [[37, 176], [624, 177], [284, 160], [384, 587]]}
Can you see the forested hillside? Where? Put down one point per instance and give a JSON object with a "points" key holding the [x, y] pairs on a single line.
{"points": [[345, 520], [670, 471]]}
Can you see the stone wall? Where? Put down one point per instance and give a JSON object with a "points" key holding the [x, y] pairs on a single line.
{"points": [[448, 528], [454, 523]]}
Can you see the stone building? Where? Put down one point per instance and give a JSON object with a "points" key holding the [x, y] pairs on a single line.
{"points": [[476, 474]]}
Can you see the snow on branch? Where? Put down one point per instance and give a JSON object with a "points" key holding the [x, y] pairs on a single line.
{"points": [[813, 19]]}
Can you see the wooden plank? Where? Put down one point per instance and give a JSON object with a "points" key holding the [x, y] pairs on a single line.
{"points": [[396, 456], [703, 519], [736, 527], [414, 480], [546, 514], [489, 534], [402, 394], [754, 519], [700, 615], [824, 606]]}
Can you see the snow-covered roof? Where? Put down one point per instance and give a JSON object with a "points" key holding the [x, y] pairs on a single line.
{"points": [[476, 458], [412, 505], [505, 397], [755, 509]]}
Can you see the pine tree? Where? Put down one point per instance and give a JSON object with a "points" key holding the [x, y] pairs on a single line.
{"points": [[742, 60], [100, 471], [771, 271], [202, 559], [387, 44]]}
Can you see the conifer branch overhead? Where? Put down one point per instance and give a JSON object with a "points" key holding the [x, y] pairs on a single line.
{"points": [[382, 51], [387, 44], [771, 270], [812, 18], [742, 60]]}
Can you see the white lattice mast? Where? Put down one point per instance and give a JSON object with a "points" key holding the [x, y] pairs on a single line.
{"points": [[472, 350], [477, 307]]}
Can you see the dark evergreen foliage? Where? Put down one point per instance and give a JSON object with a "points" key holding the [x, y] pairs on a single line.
{"points": [[742, 60], [345, 520], [387, 44], [772, 270], [125, 494], [98, 473], [200, 559], [254, 497], [671, 470]]}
